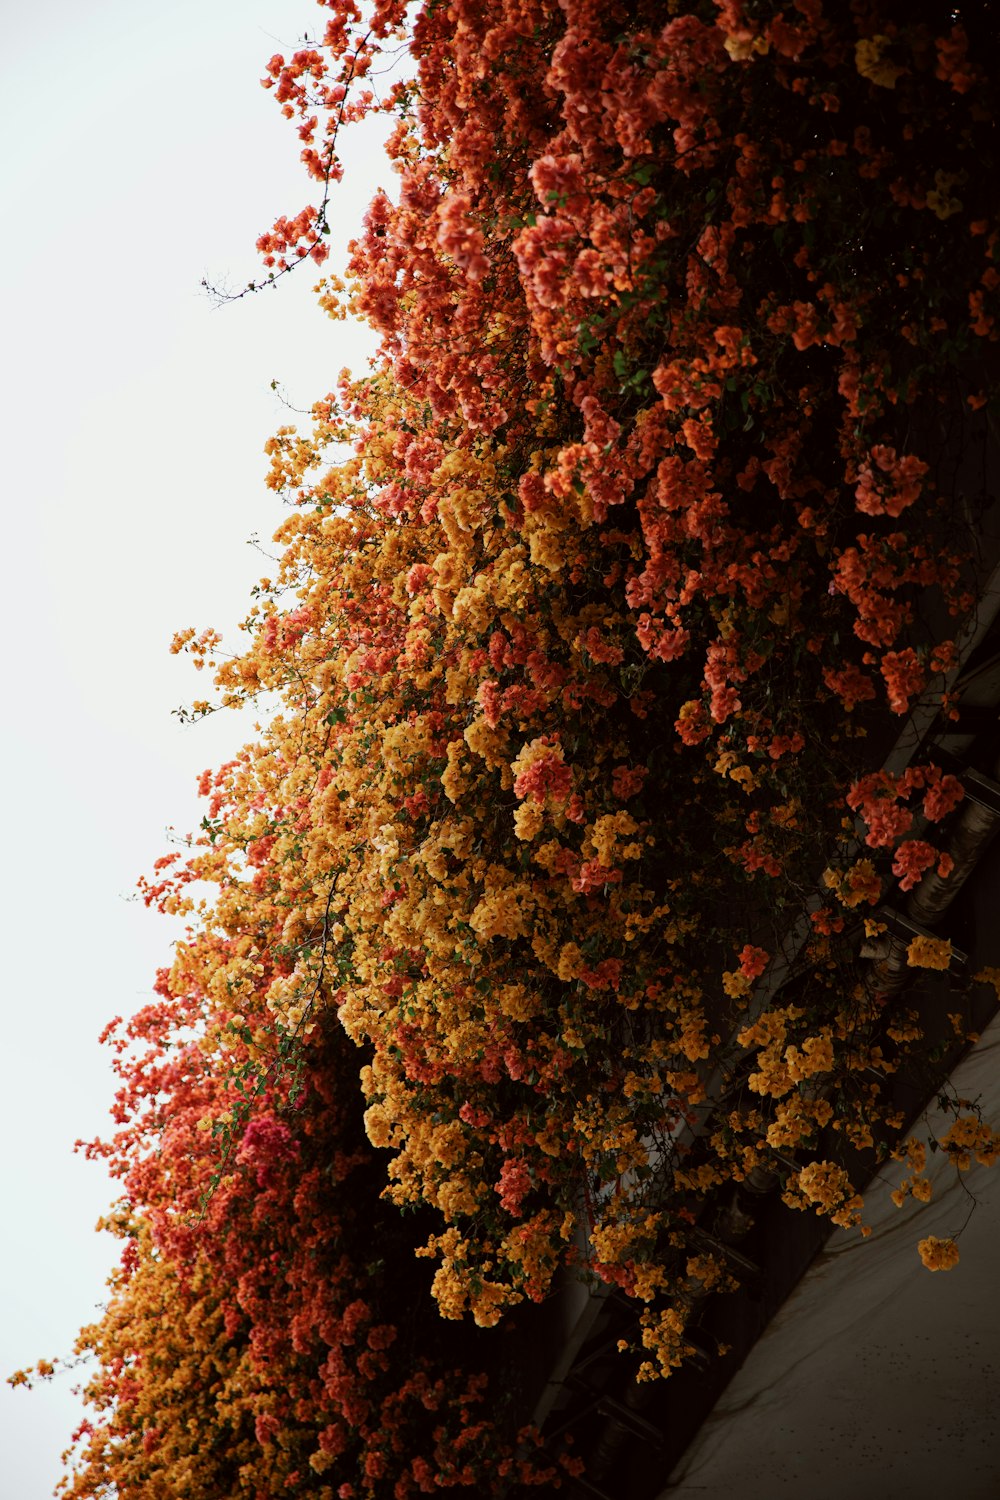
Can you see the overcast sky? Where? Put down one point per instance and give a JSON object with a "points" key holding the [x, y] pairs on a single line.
{"points": [[140, 154]]}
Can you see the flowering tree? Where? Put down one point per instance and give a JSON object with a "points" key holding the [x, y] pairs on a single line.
{"points": [[598, 603]]}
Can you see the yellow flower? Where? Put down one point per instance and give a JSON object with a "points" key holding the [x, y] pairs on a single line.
{"points": [[528, 820], [938, 1255], [873, 65], [728, 765], [939, 199], [378, 1126], [990, 977], [735, 983], [744, 47], [929, 953], [859, 883], [607, 833], [815, 1056]]}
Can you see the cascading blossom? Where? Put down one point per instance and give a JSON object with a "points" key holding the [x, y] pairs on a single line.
{"points": [[594, 601]]}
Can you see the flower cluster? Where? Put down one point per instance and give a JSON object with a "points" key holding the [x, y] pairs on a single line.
{"points": [[592, 599]]}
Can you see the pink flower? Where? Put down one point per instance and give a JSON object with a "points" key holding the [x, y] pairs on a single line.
{"points": [[912, 859], [753, 961]]}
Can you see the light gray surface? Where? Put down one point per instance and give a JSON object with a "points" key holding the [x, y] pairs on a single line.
{"points": [[878, 1380]]}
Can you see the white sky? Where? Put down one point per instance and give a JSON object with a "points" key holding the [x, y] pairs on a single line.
{"points": [[140, 153]]}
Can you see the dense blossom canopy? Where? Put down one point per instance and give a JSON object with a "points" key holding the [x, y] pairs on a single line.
{"points": [[600, 601]]}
